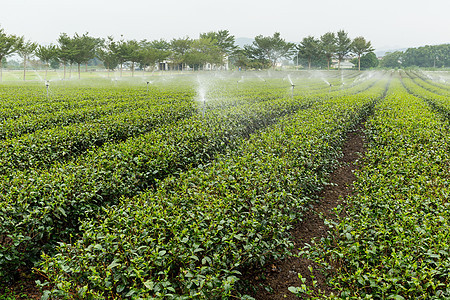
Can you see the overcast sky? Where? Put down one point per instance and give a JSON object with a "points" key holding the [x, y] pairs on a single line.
{"points": [[388, 24]]}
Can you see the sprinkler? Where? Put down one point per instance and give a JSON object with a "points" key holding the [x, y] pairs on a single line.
{"points": [[330, 87], [292, 85], [147, 85], [204, 107], [47, 84]]}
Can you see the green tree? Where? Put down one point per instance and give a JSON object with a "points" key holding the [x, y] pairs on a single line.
{"points": [[46, 54], [25, 50], [223, 40], [368, 60], [106, 54], [269, 49], [427, 56], [179, 48], [309, 49], [83, 48], [162, 50], [359, 47], [392, 60], [328, 46], [203, 51], [240, 58], [126, 51], [132, 53], [55, 63], [343, 46], [89, 47], [66, 51], [8, 45]]}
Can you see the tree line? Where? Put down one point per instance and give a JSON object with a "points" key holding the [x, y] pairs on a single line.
{"points": [[426, 57], [214, 48]]}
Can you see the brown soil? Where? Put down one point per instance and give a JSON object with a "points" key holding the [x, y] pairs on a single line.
{"points": [[24, 288], [280, 275]]}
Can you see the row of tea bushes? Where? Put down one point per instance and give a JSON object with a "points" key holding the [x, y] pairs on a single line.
{"points": [[430, 81], [46, 147], [42, 207], [191, 237], [393, 241], [438, 102], [17, 123], [430, 87]]}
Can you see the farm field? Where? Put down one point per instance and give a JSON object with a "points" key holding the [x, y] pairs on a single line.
{"points": [[182, 186]]}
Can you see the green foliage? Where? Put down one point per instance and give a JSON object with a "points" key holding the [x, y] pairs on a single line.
{"points": [[42, 207], [328, 46], [343, 45], [367, 61], [268, 50], [359, 47], [392, 60], [191, 237], [392, 242]]}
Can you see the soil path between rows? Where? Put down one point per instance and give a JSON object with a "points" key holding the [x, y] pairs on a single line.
{"points": [[280, 275]]}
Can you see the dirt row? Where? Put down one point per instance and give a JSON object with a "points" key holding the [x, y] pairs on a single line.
{"points": [[280, 275]]}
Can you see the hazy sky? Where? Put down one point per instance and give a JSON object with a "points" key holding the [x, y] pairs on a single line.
{"points": [[388, 24]]}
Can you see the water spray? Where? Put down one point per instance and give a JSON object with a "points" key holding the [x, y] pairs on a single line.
{"points": [[204, 106], [292, 85], [47, 85]]}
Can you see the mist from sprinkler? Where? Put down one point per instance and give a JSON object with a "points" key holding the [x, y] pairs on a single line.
{"points": [[47, 85], [292, 86]]}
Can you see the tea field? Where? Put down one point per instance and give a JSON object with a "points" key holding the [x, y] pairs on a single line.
{"points": [[174, 186]]}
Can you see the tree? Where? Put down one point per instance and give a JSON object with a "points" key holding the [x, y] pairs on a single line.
{"points": [[368, 60], [359, 47], [89, 46], [256, 58], [8, 45], [126, 51], [309, 49], [270, 49], [150, 53], [328, 46], [223, 40], [132, 52], [179, 48], [203, 51], [66, 51], [343, 46], [25, 50], [82, 48], [162, 50], [392, 60], [106, 54], [46, 54], [240, 58]]}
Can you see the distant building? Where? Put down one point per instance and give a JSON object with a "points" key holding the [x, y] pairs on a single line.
{"points": [[345, 64]]}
